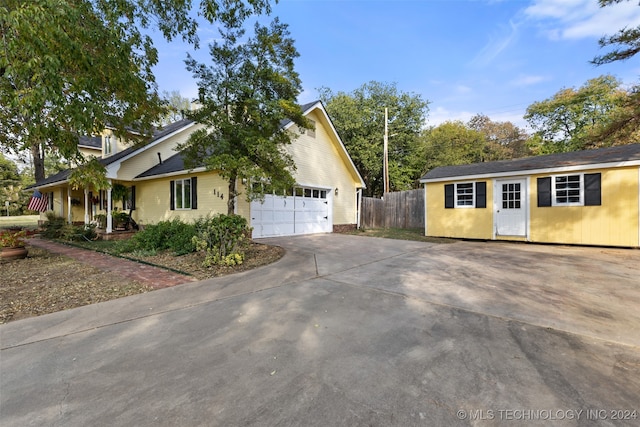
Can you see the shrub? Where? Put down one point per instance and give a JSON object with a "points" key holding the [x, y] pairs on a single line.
{"points": [[224, 239], [56, 227], [173, 235], [52, 227]]}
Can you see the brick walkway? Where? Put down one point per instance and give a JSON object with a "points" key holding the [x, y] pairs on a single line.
{"points": [[145, 274]]}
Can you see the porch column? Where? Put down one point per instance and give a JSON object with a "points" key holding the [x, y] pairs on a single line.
{"points": [[86, 206], [69, 217], [109, 217]]}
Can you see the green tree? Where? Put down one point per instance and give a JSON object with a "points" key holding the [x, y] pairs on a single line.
{"points": [[569, 120], [504, 140], [453, 143], [249, 89], [627, 40], [624, 124], [177, 107], [359, 119], [68, 67], [11, 186]]}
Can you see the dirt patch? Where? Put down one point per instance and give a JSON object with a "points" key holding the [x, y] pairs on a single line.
{"points": [[45, 282]]}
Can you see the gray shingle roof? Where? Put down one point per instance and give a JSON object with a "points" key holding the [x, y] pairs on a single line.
{"points": [[176, 162], [90, 141], [157, 134], [621, 153]]}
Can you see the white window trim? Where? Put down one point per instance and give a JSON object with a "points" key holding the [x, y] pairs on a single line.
{"points": [[473, 195], [554, 201], [175, 194]]}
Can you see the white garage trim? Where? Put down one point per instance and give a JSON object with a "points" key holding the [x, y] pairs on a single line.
{"points": [[308, 210]]}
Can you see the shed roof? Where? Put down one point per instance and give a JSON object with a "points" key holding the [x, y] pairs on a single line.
{"points": [[610, 155]]}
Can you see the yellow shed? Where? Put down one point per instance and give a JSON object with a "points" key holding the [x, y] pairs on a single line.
{"points": [[589, 197]]}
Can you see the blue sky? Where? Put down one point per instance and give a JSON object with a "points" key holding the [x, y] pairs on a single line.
{"points": [[465, 57]]}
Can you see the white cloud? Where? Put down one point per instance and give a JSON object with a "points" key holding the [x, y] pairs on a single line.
{"points": [[577, 19], [496, 45], [527, 80], [439, 115], [462, 89]]}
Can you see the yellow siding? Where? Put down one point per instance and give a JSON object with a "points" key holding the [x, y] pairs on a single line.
{"points": [[319, 163], [147, 159], [469, 223], [153, 199], [87, 153], [614, 223]]}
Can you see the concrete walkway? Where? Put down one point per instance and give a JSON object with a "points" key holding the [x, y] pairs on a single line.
{"points": [[347, 331], [145, 274]]}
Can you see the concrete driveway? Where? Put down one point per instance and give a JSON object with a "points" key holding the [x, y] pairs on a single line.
{"points": [[348, 330]]}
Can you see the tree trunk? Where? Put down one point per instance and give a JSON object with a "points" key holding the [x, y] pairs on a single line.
{"points": [[37, 154], [231, 202]]}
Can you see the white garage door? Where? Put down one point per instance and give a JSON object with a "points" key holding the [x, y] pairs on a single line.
{"points": [[307, 211]]}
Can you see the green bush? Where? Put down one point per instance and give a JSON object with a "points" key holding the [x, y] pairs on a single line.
{"points": [[56, 227], [224, 239], [173, 235], [52, 227]]}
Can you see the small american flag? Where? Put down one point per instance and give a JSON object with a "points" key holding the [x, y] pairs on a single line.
{"points": [[38, 202]]}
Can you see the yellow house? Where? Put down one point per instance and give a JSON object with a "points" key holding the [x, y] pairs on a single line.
{"points": [[153, 184], [589, 197]]}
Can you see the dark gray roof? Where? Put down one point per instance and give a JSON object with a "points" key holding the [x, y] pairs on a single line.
{"points": [[304, 109], [90, 141], [621, 153], [157, 134], [174, 163]]}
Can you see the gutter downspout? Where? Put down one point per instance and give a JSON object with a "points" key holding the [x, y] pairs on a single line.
{"points": [[359, 210]]}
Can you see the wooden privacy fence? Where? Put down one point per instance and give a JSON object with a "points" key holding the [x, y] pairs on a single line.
{"points": [[400, 209]]}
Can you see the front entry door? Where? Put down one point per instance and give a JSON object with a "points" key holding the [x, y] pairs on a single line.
{"points": [[511, 207]]}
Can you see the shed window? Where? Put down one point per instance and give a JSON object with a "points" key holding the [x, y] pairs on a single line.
{"points": [[465, 195], [570, 190], [567, 190]]}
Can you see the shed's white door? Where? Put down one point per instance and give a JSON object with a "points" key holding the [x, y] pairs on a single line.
{"points": [[307, 211], [510, 201]]}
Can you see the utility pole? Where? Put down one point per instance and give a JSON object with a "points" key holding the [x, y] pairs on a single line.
{"points": [[385, 161]]}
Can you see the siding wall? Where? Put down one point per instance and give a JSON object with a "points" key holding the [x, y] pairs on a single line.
{"points": [[320, 163], [131, 168], [614, 223], [470, 223], [153, 199]]}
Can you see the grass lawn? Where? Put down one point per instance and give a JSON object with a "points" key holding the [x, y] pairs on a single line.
{"points": [[415, 234], [28, 221]]}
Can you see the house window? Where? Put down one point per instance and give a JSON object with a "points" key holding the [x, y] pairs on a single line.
{"points": [[465, 195], [567, 190], [570, 190], [183, 194], [107, 145], [309, 132], [129, 202]]}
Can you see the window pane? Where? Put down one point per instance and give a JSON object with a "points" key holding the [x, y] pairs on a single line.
{"points": [[187, 194], [307, 192], [316, 194], [179, 194]]}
